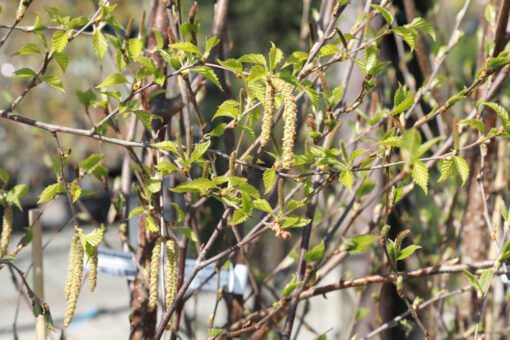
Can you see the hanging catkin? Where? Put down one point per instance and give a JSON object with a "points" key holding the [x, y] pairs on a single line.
{"points": [[289, 120], [73, 282], [93, 270], [6, 230], [267, 119], [153, 285], [171, 273]]}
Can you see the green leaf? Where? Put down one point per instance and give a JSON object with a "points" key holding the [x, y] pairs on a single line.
{"points": [[4, 176], [62, 60], [359, 243], [385, 13], [159, 38], [54, 81], [256, 73], [166, 145], [473, 280], [424, 25], [135, 212], [408, 251], [421, 175], [86, 98], [485, 280], [150, 224], [209, 74], [148, 63], [316, 253], [189, 233], [269, 178], [211, 42], [114, 79], [216, 332], [239, 217], [195, 185], [347, 179], [293, 204], [16, 194], [25, 72], [59, 41], [366, 187], [462, 168], [186, 47], [134, 47], [28, 49], [232, 64], [447, 170], [75, 191], [50, 192], [144, 117], [404, 104], [477, 124], [328, 50], [294, 221], [502, 113], [153, 185], [248, 189], [262, 204], [99, 44], [180, 213], [411, 141], [409, 35], [92, 162], [91, 240], [254, 59], [229, 108], [289, 288], [199, 150], [275, 56], [395, 141]]}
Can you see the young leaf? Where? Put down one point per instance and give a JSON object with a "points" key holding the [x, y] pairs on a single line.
{"points": [[199, 150], [473, 281], [99, 43], [239, 217], [385, 13], [114, 79], [289, 288], [50, 192], [421, 175], [189, 233], [408, 251], [275, 56], [424, 25], [186, 47], [316, 253], [485, 280], [28, 49], [166, 145], [59, 41], [347, 179], [62, 60], [54, 81], [135, 212], [262, 204], [462, 168], [359, 243], [229, 108], [409, 35], [254, 59], [269, 178], [195, 185], [150, 224], [209, 74]]}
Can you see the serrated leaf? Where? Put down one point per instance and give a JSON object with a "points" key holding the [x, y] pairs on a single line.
{"points": [[189, 233], [92, 162], [472, 280], [150, 224], [59, 41], [448, 169], [239, 216], [16, 194], [254, 59], [289, 288], [209, 74], [293, 204], [269, 178], [62, 60], [328, 50], [186, 47], [294, 221], [195, 185], [199, 150], [50, 192], [316, 253], [229, 108], [134, 47], [135, 212], [166, 145], [211, 42], [256, 73], [28, 49], [391, 141], [501, 112], [144, 117], [248, 189], [359, 243], [385, 13], [424, 25], [247, 203], [409, 35], [477, 124], [407, 251], [347, 179], [148, 63], [75, 191], [114, 79], [262, 204], [232, 64], [405, 104], [462, 168], [275, 56], [180, 213], [54, 81], [421, 175], [99, 44]]}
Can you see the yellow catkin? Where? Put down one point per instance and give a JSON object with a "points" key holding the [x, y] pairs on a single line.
{"points": [[153, 285], [6, 230], [267, 119], [93, 270], [171, 273], [70, 269], [75, 279], [289, 119]]}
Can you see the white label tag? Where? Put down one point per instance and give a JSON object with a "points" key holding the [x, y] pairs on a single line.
{"points": [[119, 263]]}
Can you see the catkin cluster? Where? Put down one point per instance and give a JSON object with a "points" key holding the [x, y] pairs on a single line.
{"points": [[279, 231], [93, 270], [6, 230], [267, 119], [171, 273], [73, 281], [153, 284], [289, 119]]}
